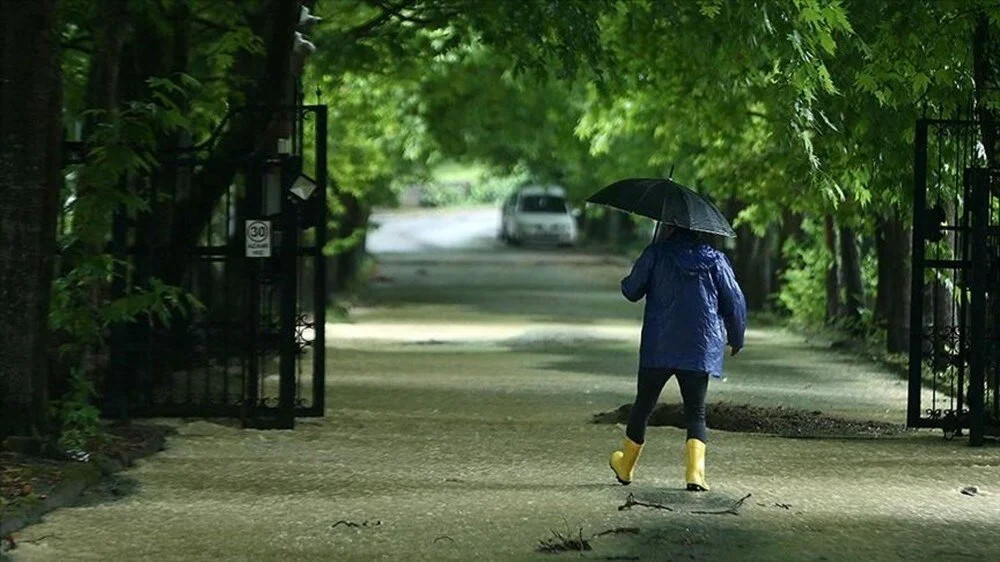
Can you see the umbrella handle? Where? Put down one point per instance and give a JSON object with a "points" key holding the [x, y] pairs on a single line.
{"points": [[671, 175]]}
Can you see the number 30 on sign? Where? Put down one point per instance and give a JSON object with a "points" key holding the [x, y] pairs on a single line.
{"points": [[258, 239]]}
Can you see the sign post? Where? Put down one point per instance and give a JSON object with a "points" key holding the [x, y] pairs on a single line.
{"points": [[258, 237]]}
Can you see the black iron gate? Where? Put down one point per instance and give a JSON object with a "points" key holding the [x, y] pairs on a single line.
{"points": [[954, 374], [253, 349]]}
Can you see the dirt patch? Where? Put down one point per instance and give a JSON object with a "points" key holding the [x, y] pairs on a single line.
{"points": [[781, 421], [27, 479], [130, 441]]}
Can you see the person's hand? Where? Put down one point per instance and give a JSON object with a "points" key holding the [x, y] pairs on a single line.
{"points": [[734, 350]]}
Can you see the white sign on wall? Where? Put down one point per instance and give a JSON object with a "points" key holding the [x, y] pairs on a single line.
{"points": [[258, 239]]}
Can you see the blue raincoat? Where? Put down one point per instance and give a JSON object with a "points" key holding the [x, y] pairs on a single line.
{"points": [[694, 306]]}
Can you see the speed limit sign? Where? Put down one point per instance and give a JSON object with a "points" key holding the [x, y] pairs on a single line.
{"points": [[258, 239]]}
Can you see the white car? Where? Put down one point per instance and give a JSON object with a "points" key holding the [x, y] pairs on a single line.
{"points": [[538, 214]]}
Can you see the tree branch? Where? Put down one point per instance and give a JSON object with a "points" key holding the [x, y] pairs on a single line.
{"points": [[205, 22], [82, 43], [392, 11], [247, 135], [732, 510], [366, 28], [976, 10], [630, 502], [398, 13]]}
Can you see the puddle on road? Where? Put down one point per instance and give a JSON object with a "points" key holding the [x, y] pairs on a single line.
{"points": [[780, 421]]}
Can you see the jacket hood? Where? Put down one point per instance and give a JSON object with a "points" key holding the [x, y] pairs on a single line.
{"points": [[690, 254]]}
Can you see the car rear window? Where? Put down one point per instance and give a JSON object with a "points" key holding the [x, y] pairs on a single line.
{"points": [[543, 204]]}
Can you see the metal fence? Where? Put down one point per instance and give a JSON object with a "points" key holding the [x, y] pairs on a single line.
{"points": [[253, 349], [954, 373]]}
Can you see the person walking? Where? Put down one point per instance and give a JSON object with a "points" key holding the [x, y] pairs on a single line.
{"points": [[694, 308]]}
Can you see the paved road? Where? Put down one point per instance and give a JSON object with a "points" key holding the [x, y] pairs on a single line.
{"points": [[459, 400], [434, 230]]}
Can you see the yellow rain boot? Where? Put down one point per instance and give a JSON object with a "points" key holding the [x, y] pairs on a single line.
{"points": [[623, 462], [694, 461]]}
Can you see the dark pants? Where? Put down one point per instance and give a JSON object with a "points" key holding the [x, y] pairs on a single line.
{"points": [[693, 385]]}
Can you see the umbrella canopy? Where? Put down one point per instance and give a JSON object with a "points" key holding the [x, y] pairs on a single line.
{"points": [[666, 201]]}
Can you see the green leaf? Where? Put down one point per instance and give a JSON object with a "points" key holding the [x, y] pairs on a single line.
{"points": [[920, 83], [710, 8]]}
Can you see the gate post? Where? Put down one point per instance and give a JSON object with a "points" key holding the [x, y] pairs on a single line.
{"points": [[288, 262], [917, 274], [980, 267], [319, 265], [252, 271]]}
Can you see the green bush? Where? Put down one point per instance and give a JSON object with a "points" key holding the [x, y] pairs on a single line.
{"points": [[803, 288], [78, 419]]}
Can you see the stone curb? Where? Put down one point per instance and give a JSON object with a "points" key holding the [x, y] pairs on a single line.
{"points": [[80, 478]]}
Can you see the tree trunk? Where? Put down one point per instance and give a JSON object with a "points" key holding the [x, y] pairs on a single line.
{"points": [[832, 271], [754, 266], [850, 270], [985, 85], [30, 176], [252, 131], [769, 258], [884, 280], [110, 28], [614, 226], [892, 303], [354, 217], [109, 20], [791, 229], [742, 259]]}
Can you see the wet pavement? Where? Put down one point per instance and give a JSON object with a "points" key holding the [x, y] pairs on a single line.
{"points": [[458, 427]]}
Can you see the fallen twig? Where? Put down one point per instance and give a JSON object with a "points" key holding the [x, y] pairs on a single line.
{"points": [[38, 540], [733, 509], [563, 544], [442, 537], [618, 531], [630, 502], [365, 523]]}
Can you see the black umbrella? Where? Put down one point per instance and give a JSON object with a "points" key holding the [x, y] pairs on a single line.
{"points": [[666, 201]]}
